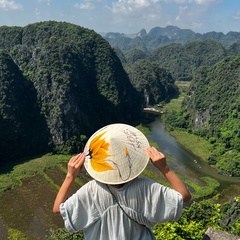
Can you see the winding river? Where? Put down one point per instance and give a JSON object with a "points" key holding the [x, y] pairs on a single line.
{"points": [[185, 161]]}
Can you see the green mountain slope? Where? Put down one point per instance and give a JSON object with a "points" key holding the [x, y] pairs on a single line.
{"points": [[212, 110], [152, 82], [182, 60], [66, 76], [22, 128]]}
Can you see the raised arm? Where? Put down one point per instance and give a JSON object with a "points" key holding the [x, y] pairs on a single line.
{"points": [[74, 166], [159, 161]]}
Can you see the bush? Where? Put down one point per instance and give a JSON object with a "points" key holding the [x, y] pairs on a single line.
{"points": [[14, 234], [63, 234]]}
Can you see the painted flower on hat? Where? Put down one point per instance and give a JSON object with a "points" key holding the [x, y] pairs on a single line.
{"points": [[98, 153]]}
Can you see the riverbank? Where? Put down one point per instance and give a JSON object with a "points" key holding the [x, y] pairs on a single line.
{"points": [[201, 148], [195, 144]]}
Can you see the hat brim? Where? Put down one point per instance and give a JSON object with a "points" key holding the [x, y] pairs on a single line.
{"points": [[116, 154]]}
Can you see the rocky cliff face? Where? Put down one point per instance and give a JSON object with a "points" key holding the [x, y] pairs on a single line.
{"points": [[201, 119]]}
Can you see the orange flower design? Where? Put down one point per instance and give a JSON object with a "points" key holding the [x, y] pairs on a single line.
{"points": [[98, 153]]}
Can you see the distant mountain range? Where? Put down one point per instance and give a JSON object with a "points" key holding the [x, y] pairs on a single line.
{"points": [[159, 36]]}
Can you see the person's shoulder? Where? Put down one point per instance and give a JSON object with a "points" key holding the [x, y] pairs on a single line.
{"points": [[90, 188], [92, 183], [89, 185], [144, 186], [144, 181]]}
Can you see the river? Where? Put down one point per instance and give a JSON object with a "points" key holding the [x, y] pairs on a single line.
{"points": [[186, 162]]}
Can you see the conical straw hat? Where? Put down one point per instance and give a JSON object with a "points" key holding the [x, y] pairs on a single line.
{"points": [[116, 154]]}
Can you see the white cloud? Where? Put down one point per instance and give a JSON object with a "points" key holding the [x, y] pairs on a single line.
{"points": [[128, 6], [135, 14], [85, 5], [125, 6], [142, 3], [206, 2], [193, 14], [178, 1], [10, 5]]}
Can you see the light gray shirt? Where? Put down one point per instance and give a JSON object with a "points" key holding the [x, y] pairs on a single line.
{"points": [[93, 209]]}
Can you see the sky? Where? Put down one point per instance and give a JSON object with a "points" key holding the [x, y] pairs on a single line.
{"points": [[126, 16]]}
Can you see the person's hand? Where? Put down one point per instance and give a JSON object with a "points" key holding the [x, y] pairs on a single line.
{"points": [[75, 165], [158, 159]]}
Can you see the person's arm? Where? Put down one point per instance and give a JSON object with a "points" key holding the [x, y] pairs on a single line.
{"points": [[159, 161], [74, 166]]}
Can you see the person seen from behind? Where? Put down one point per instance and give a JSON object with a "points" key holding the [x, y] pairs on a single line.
{"points": [[118, 203]]}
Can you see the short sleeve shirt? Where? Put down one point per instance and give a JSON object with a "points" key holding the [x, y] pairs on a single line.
{"points": [[93, 209]]}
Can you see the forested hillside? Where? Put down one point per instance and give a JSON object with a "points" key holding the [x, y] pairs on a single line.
{"points": [[151, 81], [179, 51], [183, 60], [179, 60], [59, 83], [211, 110], [211, 62]]}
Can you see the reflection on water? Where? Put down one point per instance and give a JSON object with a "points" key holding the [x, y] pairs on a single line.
{"points": [[185, 161]]}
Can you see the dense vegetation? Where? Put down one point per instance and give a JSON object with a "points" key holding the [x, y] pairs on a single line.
{"points": [[59, 83], [211, 110], [179, 51], [152, 82], [198, 218], [182, 60]]}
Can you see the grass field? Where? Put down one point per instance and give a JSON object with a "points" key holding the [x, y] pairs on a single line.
{"points": [[175, 103]]}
